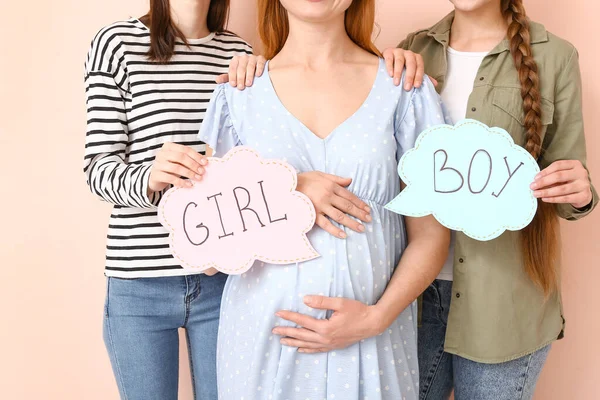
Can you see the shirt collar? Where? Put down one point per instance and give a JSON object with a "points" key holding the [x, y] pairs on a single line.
{"points": [[441, 33]]}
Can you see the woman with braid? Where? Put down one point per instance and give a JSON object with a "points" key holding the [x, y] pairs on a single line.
{"points": [[488, 321]]}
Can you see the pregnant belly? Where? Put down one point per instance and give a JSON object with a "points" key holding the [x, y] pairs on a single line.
{"points": [[358, 267]]}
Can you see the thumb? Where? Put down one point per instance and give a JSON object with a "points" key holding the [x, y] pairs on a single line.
{"points": [[434, 81], [223, 78], [322, 302]]}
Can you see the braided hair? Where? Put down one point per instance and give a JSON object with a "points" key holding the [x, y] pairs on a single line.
{"points": [[540, 239]]}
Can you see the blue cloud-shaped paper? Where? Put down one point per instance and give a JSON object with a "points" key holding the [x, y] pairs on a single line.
{"points": [[472, 178]]}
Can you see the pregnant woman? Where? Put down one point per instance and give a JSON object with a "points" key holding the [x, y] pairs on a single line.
{"points": [[296, 112]]}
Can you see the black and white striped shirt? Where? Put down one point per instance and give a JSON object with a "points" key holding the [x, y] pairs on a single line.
{"points": [[134, 106]]}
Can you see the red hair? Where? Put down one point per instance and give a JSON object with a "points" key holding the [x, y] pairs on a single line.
{"points": [[273, 25]]}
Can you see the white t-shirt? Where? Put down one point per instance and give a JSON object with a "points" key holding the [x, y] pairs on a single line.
{"points": [[462, 71]]}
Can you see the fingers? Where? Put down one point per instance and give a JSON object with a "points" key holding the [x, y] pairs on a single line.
{"points": [[558, 166], [341, 218], [560, 176], [297, 334], [260, 65], [323, 303], [233, 66], [302, 320], [250, 71], [178, 170], [411, 70], [562, 190], [312, 351], [165, 177], [186, 160], [571, 198], [350, 209], [388, 56], [193, 154], [398, 66], [301, 343], [222, 78], [211, 271], [174, 162], [170, 148], [338, 179], [434, 81], [331, 200], [420, 71], [324, 223], [241, 72], [358, 203], [578, 200], [348, 195]]}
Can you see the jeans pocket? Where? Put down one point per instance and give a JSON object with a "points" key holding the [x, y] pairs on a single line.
{"points": [[431, 303], [433, 295]]}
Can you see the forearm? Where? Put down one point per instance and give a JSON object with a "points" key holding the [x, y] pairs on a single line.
{"points": [[121, 184], [108, 173], [419, 265]]}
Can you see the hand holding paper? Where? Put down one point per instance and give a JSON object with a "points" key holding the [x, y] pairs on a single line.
{"points": [[245, 209], [564, 181]]}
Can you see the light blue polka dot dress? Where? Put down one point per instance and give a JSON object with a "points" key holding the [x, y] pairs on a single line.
{"points": [[252, 364]]}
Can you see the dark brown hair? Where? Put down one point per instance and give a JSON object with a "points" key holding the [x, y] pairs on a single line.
{"points": [[273, 25], [164, 32], [540, 241]]}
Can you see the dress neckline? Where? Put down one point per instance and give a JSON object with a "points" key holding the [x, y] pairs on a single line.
{"points": [[364, 104]]}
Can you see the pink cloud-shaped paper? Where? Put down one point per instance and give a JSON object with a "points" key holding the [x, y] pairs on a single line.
{"points": [[208, 230]]}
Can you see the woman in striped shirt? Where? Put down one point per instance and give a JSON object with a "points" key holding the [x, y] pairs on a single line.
{"points": [[147, 91]]}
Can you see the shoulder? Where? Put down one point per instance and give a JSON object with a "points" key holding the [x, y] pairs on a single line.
{"points": [[553, 54], [234, 98], [419, 40], [238, 103], [231, 42], [418, 98], [416, 38], [118, 31], [544, 42], [107, 41], [561, 48]]}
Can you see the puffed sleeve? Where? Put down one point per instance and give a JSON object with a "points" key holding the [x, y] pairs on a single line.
{"points": [[423, 110], [217, 129]]}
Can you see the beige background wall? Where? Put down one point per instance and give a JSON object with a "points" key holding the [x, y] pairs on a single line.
{"points": [[52, 286]]}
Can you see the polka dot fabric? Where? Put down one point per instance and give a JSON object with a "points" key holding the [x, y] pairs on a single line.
{"points": [[252, 364]]}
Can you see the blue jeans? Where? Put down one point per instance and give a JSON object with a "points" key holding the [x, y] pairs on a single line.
{"points": [[141, 321], [440, 372]]}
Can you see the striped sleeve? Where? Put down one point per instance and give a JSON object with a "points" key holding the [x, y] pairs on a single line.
{"points": [[107, 171]]}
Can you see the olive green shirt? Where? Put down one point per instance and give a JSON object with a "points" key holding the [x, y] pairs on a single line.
{"points": [[497, 314]]}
